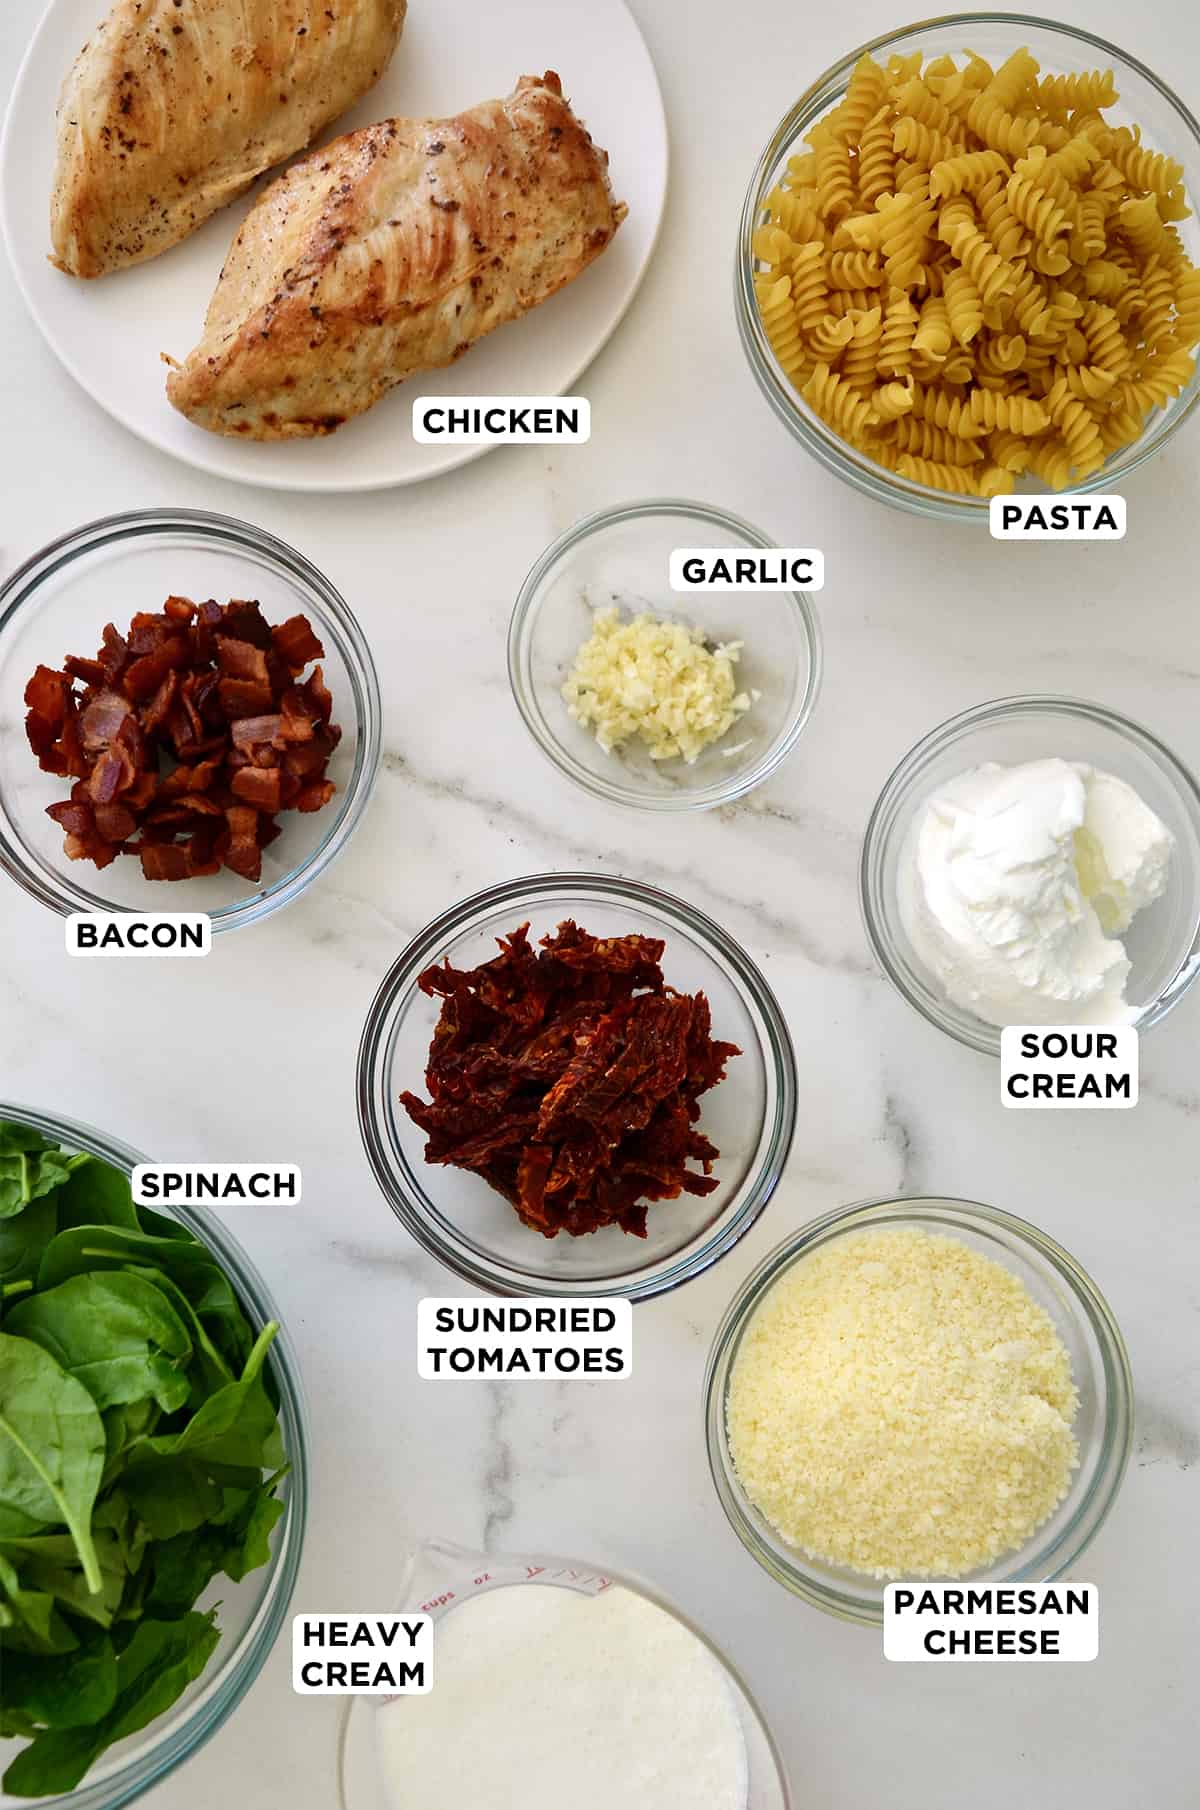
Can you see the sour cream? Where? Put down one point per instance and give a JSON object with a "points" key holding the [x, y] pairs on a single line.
{"points": [[1016, 884]]}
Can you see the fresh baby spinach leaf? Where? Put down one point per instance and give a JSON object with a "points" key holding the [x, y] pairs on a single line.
{"points": [[115, 1333], [63, 1690], [95, 1194], [23, 1238], [51, 1448], [161, 1660]]}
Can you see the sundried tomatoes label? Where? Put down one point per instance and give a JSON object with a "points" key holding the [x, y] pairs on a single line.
{"points": [[469, 1338]]}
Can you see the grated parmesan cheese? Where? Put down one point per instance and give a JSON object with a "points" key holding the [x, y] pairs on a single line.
{"points": [[655, 679], [902, 1406]]}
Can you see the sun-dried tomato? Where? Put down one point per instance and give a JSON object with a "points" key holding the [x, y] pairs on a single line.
{"points": [[186, 738], [568, 1077]]}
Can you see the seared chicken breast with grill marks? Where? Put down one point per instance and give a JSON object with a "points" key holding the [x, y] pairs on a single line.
{"points": [[391, 251], [173, 108]]}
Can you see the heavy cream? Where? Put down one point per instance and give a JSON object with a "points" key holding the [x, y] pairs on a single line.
{"points": [[1016, 884]]}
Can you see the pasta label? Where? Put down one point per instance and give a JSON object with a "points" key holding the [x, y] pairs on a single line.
{"points": [[1050, 518], [738, 569]]}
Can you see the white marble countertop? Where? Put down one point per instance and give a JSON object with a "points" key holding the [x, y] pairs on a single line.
{"points": [[919, 621]]}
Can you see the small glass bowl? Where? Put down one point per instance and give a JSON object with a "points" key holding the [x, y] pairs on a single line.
{"points": [[1099, 1362], [252, 1613], [620, 557], [58, 602], [1163, 942], [1144, 99], [750, 1116], [442, 1576]]}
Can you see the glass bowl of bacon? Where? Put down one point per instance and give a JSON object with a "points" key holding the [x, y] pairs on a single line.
{"points": [[574, 1084], [189, 719]]}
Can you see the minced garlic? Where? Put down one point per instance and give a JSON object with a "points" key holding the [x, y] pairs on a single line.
{"points": [[902, 1406], [655, 679]]}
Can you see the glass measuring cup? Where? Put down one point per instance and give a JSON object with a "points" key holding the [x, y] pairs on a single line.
{"points": [[440, 1576]]}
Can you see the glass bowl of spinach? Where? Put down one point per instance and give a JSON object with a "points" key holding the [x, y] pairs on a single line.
{"points": [[153, 1472]]}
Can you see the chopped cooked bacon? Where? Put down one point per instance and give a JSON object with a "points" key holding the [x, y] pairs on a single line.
{"points": [[46, 694], [568, 1078], [243, 854], [296, 643], [100, 719], [259, 786], [185, 738]]}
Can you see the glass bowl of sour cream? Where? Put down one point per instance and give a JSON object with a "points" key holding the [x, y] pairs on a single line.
{"points": [[1035, 860]]}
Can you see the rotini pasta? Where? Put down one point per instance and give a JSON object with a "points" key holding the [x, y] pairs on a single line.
{"points": [[972, 276]]}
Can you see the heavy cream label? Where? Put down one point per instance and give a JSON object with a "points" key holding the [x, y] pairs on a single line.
{"points": [[1068, 1065], [361, 1655]]}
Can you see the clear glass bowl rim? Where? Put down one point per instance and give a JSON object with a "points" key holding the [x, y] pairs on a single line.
{"points": [[935, 1212], [520, 630], [22, 587], [980, 1035], [154, 1764], [629, 1580], [835, 454], [779, 1057]]}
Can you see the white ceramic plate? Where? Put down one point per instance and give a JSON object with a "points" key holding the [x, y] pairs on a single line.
{"points": [[453, 54]]}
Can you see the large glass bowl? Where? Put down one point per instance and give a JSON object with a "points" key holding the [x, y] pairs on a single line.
{"points": [[251, 1613], [620, 557], [1103, 1425], [58, 602], [750, 1116], [1163, 942], [441, 1576], [1144, 99]]}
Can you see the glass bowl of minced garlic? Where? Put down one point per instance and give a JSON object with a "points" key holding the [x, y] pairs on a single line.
{"points": [[916, 1389], [968, 265], [647, 695]]}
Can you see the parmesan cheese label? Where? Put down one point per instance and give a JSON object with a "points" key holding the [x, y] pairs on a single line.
{"points": [[1068, 1065], [939, 1622]]}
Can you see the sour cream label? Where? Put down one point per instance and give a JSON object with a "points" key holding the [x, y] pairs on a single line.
{"points": [[362, 1655], [940, 1622], [747, 569], [139, 933], [1068, 1065]]}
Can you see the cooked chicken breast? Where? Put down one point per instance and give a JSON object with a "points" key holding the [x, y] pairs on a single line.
{"points": [[175, 106], [392, 251]]}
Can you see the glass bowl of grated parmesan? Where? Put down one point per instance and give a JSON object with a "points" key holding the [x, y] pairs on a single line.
{"points": [[979, 1429], [644, 695]]}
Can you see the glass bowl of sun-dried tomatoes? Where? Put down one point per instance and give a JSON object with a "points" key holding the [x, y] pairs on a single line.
{"points": [[189, 720], [576, 1084]]}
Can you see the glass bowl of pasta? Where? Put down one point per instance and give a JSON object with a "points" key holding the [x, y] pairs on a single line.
{"points": [[967, 264]]}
